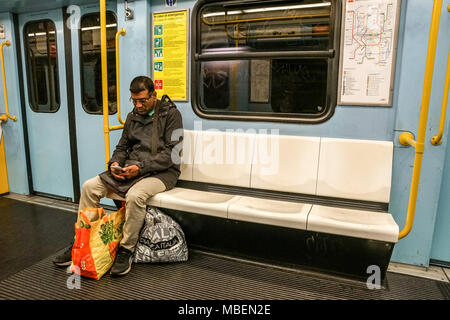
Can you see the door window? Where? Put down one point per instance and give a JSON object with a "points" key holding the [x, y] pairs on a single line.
{"points": [[42, 66], [91, 64]]}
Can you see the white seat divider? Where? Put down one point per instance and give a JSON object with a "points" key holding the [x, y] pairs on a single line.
{"points": [[187, 157]]}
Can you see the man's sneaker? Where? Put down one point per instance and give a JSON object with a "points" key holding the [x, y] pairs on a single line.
{"points": [[122, 264], [65, 258]]}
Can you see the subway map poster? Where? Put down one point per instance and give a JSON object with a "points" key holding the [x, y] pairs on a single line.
{"points": [[368, 49]]}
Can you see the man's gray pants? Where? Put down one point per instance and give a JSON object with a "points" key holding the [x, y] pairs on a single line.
{"points": [[136, 202]]}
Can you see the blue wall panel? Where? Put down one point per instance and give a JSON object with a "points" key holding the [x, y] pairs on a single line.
{"points": [[48, 133], [416, 247], [134, 53], [90, 141], [441, 239], [13, 131]]}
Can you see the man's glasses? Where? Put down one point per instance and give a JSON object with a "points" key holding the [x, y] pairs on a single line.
{"points": [[141, 101]]}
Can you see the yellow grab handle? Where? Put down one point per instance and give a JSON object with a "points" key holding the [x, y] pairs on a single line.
{"points": [[3, 118], [121, 32], [406, 138], [436, 140]]}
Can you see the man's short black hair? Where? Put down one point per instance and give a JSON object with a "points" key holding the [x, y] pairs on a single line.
{"points": [[142, 83]]}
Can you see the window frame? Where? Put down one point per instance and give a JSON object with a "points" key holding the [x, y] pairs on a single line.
{"points": [[80, 46], [332, 58], [28, 68]]}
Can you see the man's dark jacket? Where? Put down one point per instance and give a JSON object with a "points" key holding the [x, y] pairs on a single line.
{"points": [[135, 147]]}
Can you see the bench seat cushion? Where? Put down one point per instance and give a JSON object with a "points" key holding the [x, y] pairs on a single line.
{"points": [[203, 202], [340, 221], [272, 212], [353, 223]]}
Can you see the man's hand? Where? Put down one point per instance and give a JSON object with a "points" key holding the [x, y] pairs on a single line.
{"points": [[116, 173], [130, 172]]}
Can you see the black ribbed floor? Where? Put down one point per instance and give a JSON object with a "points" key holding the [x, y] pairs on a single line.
{"points": [[203, 277], [30, 233], [208, 277]]}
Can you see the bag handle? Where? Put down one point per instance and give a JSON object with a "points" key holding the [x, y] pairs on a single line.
{"points": [[100, 211], [85, 218]]}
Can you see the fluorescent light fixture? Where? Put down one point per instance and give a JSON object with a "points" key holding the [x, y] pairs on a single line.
{"points": [[234, 12], [98, 27], [221, 13], [214, 14], [299, 6], [40, 34]]}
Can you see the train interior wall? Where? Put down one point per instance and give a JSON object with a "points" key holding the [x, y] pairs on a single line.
{"points": [[429, 237]]}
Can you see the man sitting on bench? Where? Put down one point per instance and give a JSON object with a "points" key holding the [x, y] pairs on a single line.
{"points": [[141, 166]]}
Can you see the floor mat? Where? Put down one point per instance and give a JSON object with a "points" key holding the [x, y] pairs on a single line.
{"points": [[206, 277]]}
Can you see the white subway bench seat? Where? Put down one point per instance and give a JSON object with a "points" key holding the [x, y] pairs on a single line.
{"points": [[325, 189]]}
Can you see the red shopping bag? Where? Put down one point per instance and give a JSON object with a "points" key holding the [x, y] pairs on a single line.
{"points": [[97, 237]]}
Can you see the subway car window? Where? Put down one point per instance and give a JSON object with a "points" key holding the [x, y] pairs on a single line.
{"points": [[91, 68], [42, 66], [266, 60]]}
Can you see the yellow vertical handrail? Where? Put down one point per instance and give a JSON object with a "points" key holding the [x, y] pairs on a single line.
{"points": [[406, 137], [4, 185], [104, 79], [121, 32], [4, 118], [436, 140], [106, 127]]}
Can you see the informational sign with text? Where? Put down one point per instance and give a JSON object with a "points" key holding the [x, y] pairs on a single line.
{"points": [[170, 53]]}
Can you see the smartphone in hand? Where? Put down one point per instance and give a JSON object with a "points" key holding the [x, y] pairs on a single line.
{"points": [[117, 168]]}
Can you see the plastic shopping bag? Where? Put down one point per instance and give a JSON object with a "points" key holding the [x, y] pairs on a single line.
{"points": [[97, 237], [161, 239]]}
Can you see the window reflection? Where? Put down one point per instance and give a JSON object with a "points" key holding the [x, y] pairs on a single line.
{"points": [[91, 68], [290, 86], [291, 26], [266, 59]]}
